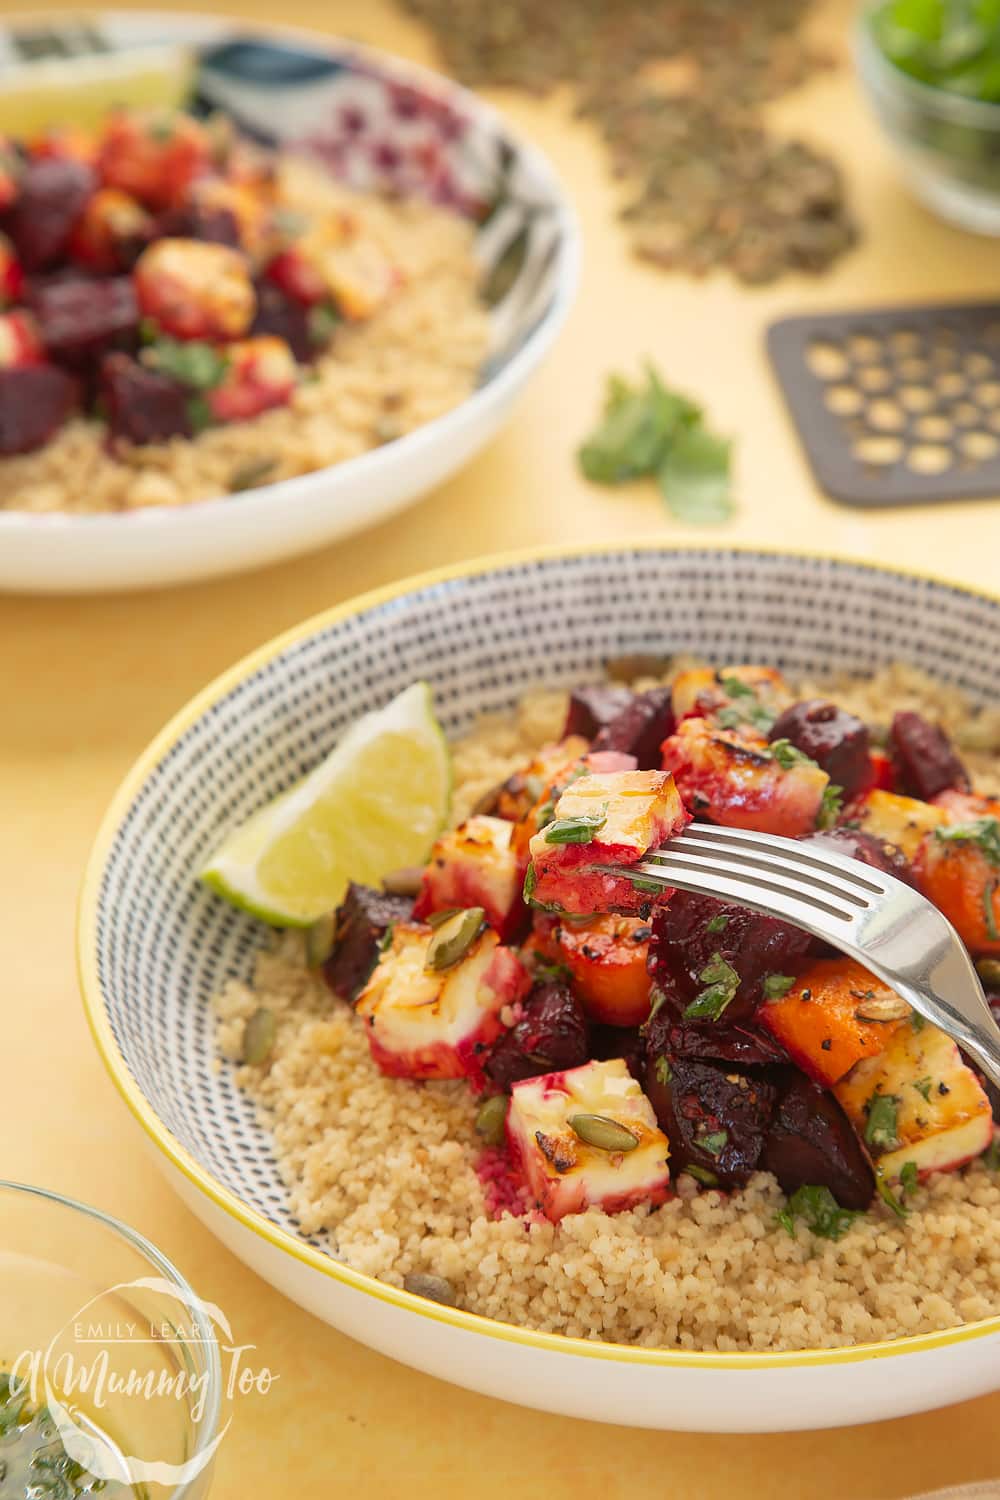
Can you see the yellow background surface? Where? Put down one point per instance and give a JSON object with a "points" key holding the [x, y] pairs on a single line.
{"points": [[85, 683]]}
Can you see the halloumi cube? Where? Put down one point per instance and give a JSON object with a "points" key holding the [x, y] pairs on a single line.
{"points": [[564, 1173], [936, 1115], [475, 865], [427, 1023], [731, 779], [902, 821], [613, 818]]}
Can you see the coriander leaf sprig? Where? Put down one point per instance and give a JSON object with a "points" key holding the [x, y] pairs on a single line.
{"points": [[649, 431]]}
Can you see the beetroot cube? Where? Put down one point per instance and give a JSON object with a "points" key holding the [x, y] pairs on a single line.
{"points": [[142, 406], [591, 708], [925, 760], [53, 193], [35, 401], [715, 1116], [811, 1142], [835, 740], [79, 317], [640, 728]]}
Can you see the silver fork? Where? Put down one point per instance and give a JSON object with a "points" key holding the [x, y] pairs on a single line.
{"points": [[888, 926]]}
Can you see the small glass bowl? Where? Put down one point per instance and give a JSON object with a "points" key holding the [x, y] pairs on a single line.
{"points": [[99, 1327], [947, 146]]}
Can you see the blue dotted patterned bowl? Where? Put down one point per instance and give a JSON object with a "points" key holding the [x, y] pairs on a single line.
{"points": [[154, 945]]}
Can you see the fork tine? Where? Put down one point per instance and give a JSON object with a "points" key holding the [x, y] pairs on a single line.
{"points": [[796, 901], [829, 862], [758, 861]]}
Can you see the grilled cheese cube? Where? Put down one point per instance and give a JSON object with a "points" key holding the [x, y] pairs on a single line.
{"points": [[640, 811], [194, 289], [566, 1174], [527, 786], [917, 1102], [730, 779], [475, 865], [426, 1023], [903, 821], [747, 697]]}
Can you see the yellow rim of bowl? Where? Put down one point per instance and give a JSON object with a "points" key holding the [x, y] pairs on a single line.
{"points": [[280, 1239]]}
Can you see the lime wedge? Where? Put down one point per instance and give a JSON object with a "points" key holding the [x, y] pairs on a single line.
{"points": [[81, 90], [375, 804]]}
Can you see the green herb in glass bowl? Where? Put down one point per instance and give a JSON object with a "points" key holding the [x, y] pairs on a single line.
{"points": [[932, 72]]}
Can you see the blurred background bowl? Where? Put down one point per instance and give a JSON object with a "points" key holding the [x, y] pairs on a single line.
{"points": [[382, 125]]}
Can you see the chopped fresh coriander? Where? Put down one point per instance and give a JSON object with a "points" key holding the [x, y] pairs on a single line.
{"points": [[889, 1198], [647, 887], [735, 687], [756, 714], [992, 931], [695, 477], [323, 322], [199, 413], [909, 1177], [923, 1087], [702, 1175], [663, 1071], [788, 755], [917, 1021], [546, 973], [983, 832], [714, 1142], [385, 941], [251, 473], [721, 982], [530, 881], [819, 1211], [717, 924], [657, 997], [578, 830], [191, 362], [830, 805], [776, 985], [880, 1130], [991, 1156]]}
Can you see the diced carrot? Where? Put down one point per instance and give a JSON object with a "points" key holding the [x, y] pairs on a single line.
{"points": [[963, 881], [829, 1019], [606, 959]]}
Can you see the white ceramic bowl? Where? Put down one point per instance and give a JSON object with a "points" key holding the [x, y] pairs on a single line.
{"points": [[289, 88], [154, 945]]}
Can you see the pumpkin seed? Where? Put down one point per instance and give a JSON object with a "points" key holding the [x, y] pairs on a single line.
{"points": [[491, 1118], [436, 1288], [319, 940], [988, 970], [605, 1134], [454, 937], [882, 1008], [258, 1036], [404, 882]]}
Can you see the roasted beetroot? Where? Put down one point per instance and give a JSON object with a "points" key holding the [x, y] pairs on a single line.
{"points": [[200, 221], [362, 920], [716, 1117], [924, 757], [551, 1036], [864, 847], [140, 405], [79, 317], [53, 194], [282, 318], [835, 740], [720, 1042], [619, 1041], [696, 939], [593, 707], [35, 401], [640, 728], [811, 1142]]}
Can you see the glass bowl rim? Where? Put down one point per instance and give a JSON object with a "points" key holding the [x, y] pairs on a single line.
{"points": [[879, 72], [208, 1427]]}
